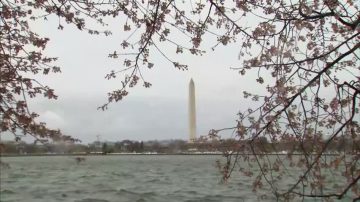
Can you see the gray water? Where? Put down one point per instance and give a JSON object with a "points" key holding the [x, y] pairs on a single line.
{"points": [[133, 178], [119, 178]]}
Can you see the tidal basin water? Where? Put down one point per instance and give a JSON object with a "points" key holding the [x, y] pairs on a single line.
{"points": [[119, 178], [133, 178]]}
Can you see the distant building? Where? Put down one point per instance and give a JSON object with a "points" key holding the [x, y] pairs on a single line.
{"points": [[192, 112]]}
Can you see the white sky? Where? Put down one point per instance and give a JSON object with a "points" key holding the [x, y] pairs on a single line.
{"points": [[159, 112]]}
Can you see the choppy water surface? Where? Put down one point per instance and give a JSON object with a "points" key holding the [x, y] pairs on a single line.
{"points": [[122, 178], [118, 178]]}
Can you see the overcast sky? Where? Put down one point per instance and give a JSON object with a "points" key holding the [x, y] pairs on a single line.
{"points": [[159, 112]]}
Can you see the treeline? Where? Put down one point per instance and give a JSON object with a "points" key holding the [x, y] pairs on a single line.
{"points": [[31, 148], [179, 146], [129, 146], [308, 145], [126, 146]]}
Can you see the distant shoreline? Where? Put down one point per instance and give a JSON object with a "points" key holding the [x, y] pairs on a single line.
{"points": [[147, 154], [117, 154]]}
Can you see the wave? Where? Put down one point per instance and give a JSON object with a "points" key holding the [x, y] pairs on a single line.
{"points": [[181, 191], [153, 180], [91, 200], [122, 174], [6, 191], [149, 194], [124, 191]]}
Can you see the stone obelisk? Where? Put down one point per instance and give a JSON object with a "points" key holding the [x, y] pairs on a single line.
{"points": [[192, 112]]}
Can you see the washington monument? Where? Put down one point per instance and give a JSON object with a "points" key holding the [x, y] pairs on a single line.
{"points": [[192, 112]]}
